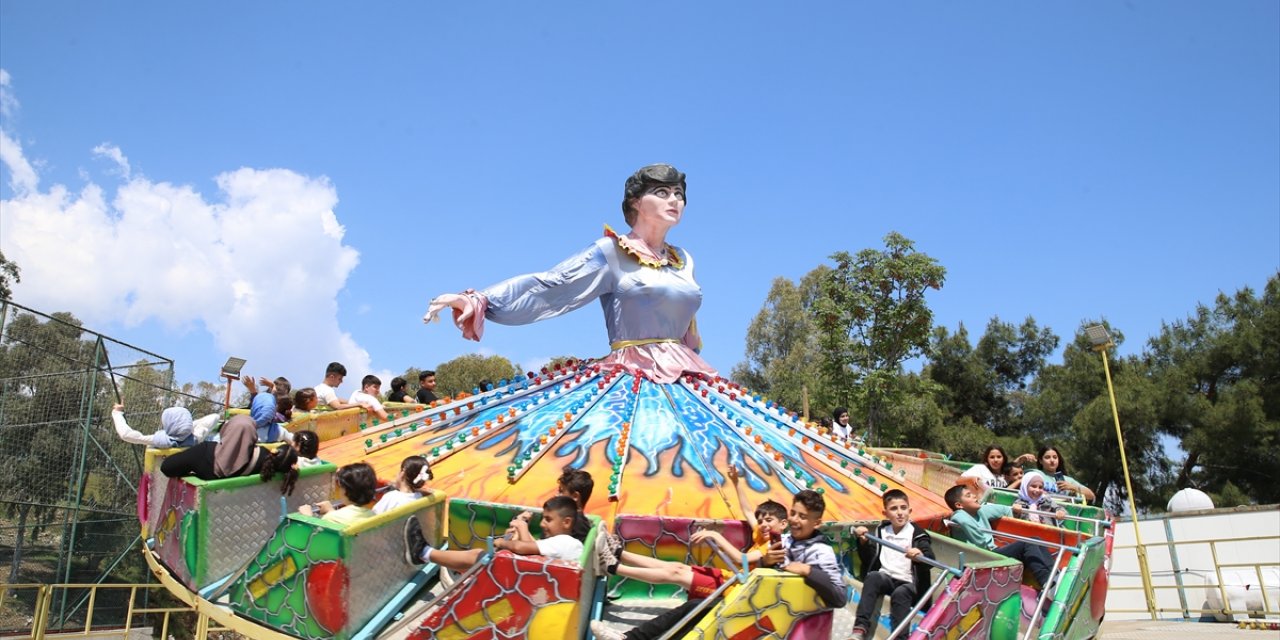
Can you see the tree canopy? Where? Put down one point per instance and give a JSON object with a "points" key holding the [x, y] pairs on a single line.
{"points": [[9, 273], [1209, 384], [782, 354], [872, 317], [465, 373]]}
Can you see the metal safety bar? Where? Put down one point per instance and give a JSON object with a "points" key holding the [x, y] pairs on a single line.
{"points": [[906, 621], [956, 571], [1043, 543], [1102, 523], [697, 611], [1044, 593], [1071, 498], [728, 562]]}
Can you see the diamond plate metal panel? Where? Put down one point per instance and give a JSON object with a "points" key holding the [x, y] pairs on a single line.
{"points": [[155, 499], [378, 571], [242, 520]]}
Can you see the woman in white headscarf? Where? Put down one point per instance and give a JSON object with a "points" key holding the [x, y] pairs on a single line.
{"points": [[177, 429]]}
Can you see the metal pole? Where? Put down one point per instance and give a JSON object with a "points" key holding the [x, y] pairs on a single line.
{"points": [[226, 407], [1128, 484], [86, 407], [1177, 569], [1222, 588]]}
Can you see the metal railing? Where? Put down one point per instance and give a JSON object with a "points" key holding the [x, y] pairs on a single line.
{"points": [[45, 594], [1269, 608]]}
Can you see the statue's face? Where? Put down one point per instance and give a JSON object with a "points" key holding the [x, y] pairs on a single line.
{"points": [[662, 204]]}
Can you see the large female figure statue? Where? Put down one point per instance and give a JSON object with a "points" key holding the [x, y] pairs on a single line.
{"points": [[645, 286], [651, 417]]}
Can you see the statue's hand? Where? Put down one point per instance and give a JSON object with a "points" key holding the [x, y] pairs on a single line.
{"points": [[463, 310]]}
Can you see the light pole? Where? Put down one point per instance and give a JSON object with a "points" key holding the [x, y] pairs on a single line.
{"points": [[1101, 341]]}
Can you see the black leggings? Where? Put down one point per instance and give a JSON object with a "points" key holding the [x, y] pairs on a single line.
{"points": [[660, 624]]}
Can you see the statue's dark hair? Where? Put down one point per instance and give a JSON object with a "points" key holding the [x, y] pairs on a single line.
{"points": [[647, 178]]}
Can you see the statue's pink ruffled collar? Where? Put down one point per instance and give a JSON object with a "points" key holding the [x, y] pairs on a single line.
{"points": [[672, 258]]}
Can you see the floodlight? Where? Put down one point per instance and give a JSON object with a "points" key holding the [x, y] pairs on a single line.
{"points": [[1098, 336], [232, 368]]}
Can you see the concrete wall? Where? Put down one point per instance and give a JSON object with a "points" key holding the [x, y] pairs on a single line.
{"points": [[1196, 562]]}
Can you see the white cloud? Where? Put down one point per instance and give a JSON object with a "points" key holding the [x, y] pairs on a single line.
{"points": [[8, 103], [22, 176], [113, 153], [258, 265]]}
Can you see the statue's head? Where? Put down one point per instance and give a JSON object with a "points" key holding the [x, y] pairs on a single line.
{"points": [[643, 180]]}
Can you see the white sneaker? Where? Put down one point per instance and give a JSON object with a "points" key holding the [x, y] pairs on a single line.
{"points": [[603, 631]]}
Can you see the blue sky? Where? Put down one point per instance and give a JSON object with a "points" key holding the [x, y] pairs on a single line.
{"points": [[292, 182]]}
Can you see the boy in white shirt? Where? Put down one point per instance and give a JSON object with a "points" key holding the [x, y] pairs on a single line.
{"points": [[367, 396], [327, 391], [889, 572]]}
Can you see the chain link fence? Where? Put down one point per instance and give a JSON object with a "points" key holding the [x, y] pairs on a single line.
{"points": [[68, 484]]}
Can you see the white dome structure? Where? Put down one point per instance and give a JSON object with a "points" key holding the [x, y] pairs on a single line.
{"points": [[1189, 500]]}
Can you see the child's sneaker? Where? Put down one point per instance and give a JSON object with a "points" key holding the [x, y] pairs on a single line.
{"points": [[858, 634], [414, 542], [608, 548], [603, 631]]}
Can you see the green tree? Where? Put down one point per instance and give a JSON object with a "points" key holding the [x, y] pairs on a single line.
{"points": [[464, 373], [965, 386], [40, 402], [8, 272], [203, 398], [1219, 374], [988, 384], [915, 418], [871, 317], [782, 352]]}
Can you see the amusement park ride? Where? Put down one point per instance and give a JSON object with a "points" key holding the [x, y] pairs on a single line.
{"points": [[241, 553], [656, 429]]}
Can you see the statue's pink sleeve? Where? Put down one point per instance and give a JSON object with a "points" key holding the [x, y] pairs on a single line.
{"points": [[477, 304]]}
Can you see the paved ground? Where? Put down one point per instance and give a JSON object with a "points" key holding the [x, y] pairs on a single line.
{"points": [[625, 617], [1152, 630]]}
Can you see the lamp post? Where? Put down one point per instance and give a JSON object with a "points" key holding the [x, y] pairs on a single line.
{"points": [[1101, 341]]}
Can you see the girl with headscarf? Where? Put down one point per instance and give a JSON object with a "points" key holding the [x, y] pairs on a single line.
{"points": [[236, 454], [840, 424], [269, 408], [1034, 494], [177, 429], [267, 420]]}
